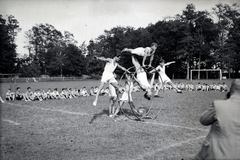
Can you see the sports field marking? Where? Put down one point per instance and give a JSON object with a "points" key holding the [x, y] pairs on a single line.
{"points": [[176, 126], [53, 110], [12, 122], [150, 154], [85, 114]]}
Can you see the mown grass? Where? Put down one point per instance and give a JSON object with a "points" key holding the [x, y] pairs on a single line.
{"points": [[74, 129]]}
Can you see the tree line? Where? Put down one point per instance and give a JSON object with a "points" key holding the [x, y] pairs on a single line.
{"points": [[194, 39]]}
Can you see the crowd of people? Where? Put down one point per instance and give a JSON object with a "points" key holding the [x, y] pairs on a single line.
{"points": [[64, 93], [221, 87]]}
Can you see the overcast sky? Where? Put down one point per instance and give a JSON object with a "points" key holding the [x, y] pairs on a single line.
{"points": [[87, 19]]}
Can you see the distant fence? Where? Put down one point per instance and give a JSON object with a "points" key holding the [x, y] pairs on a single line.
{"points": [[40, 79]]}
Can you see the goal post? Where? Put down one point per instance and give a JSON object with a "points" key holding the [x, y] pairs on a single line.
{"points": [[207, 71]]}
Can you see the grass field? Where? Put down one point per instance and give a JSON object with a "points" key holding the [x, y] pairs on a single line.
{"points": [[73, 129]]}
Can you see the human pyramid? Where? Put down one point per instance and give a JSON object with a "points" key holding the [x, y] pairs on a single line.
{"points": [[141, 77]]}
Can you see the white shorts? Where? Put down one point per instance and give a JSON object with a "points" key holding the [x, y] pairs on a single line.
{"points": [[108, 77], [142, 79], [112, 91], [164, 78], [138, 51]]}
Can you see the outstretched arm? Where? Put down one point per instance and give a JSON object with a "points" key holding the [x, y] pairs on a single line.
{"points": [[166, 64], [103, 59], [151, 59], [123, 68], [154, 70]]}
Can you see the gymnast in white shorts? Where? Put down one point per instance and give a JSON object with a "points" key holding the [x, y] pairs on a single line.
{"points": [[108, 74], [142, 80], [162, 77]]}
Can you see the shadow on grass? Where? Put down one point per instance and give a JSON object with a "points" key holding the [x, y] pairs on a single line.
{"points": [[127, 112], [98, 115]]}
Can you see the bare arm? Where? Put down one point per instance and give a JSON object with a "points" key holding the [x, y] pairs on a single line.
{"points": [[151, 59], [166, 64], [154, 70], [103, 59], [123, 68]]}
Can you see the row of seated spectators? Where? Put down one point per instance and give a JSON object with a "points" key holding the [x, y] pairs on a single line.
{"points": [[65, 93], [221, 87]]}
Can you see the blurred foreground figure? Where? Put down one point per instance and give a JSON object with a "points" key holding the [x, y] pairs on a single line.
{"points": [[223, 140]]}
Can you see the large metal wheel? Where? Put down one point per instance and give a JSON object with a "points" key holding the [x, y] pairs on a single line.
{"points": [[140, 109]]}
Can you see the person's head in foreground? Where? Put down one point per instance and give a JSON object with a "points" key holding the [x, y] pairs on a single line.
{"points": [[234, 89], [223, 117]]}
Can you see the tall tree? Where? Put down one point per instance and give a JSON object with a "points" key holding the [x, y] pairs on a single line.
{"points": [[8, 31], [227, 52], [47, 48]]}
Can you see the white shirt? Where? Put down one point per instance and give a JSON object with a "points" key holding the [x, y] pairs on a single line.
{"points": [[110, 66]]}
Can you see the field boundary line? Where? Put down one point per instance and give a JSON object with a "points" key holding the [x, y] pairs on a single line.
{"points": [[176, 126], [167, 147], [11, 122], [53, 110]]}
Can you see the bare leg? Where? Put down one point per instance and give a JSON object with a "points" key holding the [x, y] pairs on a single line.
{"points": [[117, 88], [112, 104], [174, 87], [1, 100], [127, 50], [136, 63], [152, 80], [97, 95], [118, 108]]}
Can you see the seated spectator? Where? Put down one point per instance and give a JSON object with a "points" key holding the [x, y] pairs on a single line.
{"points": [[213, 87], [63, 94], [207, 87], [204, 87], [18, 95], [224, 87], [102, 93], [55, 94], [96, 90], [187, 86], [44, 95], [37, 95], [182, 86], [49, 94], [29, 95], [10, 96], [178, 85], [222, 141], [84, 92], [198, 87], [92, 92], [218, 87], [191, 87], [106, 91], [75, 93], [69, 92]]}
